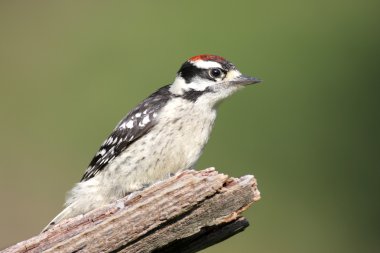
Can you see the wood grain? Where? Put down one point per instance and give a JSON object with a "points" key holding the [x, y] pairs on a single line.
{"points": [[185, 213]]}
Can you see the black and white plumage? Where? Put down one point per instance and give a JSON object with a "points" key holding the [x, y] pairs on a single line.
{"points": [[164, 134], [137, 123]]}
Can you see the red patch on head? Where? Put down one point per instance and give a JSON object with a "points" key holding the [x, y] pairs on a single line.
{"points": [[207, 57]]}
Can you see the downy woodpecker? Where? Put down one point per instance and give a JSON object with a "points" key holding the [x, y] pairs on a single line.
{"points": [[164, 134]]}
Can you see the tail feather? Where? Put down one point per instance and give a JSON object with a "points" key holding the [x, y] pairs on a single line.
{"points": [[64, 214]]}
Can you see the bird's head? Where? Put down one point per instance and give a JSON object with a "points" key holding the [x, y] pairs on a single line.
{"points": [[209, 75]]}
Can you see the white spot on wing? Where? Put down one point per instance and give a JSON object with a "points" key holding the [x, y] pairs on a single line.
{"points": [[154, 115], [123, 126], [146, 120], [129, 124], [138, 115], [101, 152], [104, 161]]}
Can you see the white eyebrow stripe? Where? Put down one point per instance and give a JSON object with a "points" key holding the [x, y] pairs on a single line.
{"points": [[206, 64]]}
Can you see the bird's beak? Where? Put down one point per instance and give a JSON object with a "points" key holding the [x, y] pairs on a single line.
{"points": [[245, 80]]}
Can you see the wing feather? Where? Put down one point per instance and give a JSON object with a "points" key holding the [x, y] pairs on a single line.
{"points": [[136, 124]]}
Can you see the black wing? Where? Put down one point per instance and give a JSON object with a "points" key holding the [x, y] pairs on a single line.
{"points": [[136, 124]]}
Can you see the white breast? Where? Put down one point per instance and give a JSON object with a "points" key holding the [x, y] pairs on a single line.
{"points": [[174, 144]]}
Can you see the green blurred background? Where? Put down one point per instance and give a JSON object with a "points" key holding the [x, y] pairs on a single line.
{"points": [[70, 70]]}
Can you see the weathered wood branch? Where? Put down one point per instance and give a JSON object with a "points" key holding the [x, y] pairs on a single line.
{"points": [[185, 213]]}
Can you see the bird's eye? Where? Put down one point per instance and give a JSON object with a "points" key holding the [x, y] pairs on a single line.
{"points": [[215, 73]]}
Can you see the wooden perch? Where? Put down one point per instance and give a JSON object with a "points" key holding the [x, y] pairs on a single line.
{"points": [[185, 213]]}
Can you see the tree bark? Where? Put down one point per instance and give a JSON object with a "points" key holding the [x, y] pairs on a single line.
{"points": [[185, 213]]}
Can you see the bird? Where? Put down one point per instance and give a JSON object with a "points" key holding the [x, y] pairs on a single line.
{"points": [[164, 134]]}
